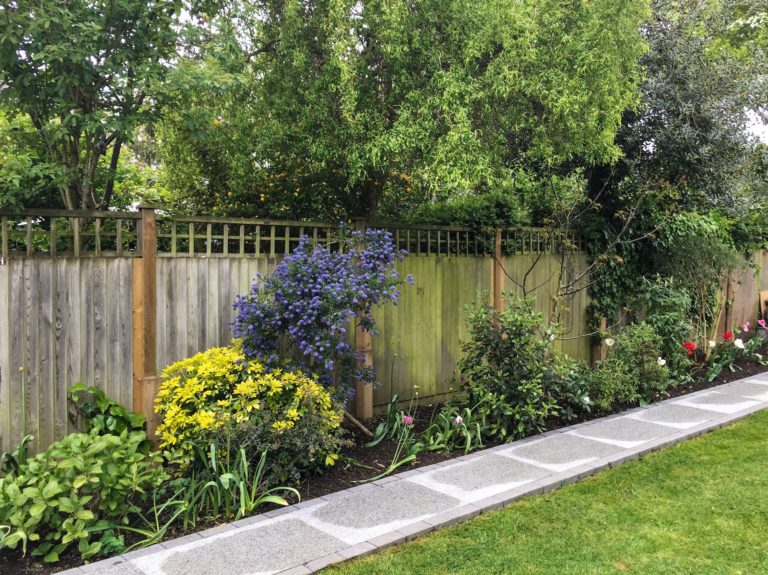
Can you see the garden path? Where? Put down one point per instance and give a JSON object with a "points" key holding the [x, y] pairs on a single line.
{"points": [[308, 536]]}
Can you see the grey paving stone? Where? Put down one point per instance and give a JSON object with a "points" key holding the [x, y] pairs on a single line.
{"points": [[673, 413], [398, 500], [388, 539], [746, 389], [625, 429], [359, 550], [324, 562], [272, 547], [298, 570], [717, 399], [487, 471], [120, 569], [415, 530], [563, 449], [73, 571], [181, 540]]}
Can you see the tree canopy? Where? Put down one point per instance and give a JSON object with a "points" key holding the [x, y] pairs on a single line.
{"points": [[84, 74], [349, 108]]}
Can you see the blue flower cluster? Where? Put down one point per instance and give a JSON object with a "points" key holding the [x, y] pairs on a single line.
{"points": [[312, 300]]}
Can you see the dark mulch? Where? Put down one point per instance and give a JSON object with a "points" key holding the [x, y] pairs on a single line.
{"points": [[361, 463]]}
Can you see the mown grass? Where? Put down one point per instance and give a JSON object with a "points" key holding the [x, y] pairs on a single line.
{"points": [[698, 508]]}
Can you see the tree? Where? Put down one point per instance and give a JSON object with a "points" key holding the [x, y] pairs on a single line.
{"points": [[351, 108], [85, 74], [686, 150]]}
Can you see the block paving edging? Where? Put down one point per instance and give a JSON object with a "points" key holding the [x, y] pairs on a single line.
{"points": [[463, 512]]}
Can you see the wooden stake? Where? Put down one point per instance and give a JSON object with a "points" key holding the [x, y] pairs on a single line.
{"points": [[145, 317]]}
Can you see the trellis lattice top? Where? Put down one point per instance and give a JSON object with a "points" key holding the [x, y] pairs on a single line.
{"points": [[61, 233]]}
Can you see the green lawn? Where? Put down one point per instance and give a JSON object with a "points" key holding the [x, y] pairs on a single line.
{"points": [[700, 507]]}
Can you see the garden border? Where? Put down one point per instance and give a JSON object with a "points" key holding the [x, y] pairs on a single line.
{"points": [[464, 511]]}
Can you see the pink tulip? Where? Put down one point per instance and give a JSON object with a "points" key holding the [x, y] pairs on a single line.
{"points": [[459, 420], [745, 326], [408, 420]]}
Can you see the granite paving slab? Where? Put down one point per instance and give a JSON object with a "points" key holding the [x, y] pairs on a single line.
{"points": [[623, 432], [309, 536], [746, 389], [718, 401], [674, 415], [561, 452], [265, 548]]}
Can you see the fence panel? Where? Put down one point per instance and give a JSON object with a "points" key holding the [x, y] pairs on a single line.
{"points": [[67, 302], [64, 320]]}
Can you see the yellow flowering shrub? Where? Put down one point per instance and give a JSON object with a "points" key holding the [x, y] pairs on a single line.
{"points": [[217, 391]]}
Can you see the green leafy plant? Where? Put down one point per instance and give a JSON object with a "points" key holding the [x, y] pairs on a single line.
{"points": [[634, 371], [455, 428], [76, 492], [225, 484], [93, 410], [724, 354], [507, 368], [667, 310]]}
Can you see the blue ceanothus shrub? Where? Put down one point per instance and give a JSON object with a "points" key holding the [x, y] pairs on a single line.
{"points": [[312, 300]]}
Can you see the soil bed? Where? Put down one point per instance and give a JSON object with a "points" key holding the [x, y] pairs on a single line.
{"points": [[359, 463]]}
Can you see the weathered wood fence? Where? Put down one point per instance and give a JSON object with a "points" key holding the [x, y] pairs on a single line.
{"points": [[110, 298]]}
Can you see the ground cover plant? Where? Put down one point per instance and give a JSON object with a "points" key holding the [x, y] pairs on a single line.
{"points": [[698, 507]]}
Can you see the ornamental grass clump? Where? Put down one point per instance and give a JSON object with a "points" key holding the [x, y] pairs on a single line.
{"points": [[219, 396], [305, 309]]}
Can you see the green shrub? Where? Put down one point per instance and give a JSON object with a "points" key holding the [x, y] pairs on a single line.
{"points": [[508, 368], [667, 310], [94, 410], [634, 371], [217, 396], [76, 492]]}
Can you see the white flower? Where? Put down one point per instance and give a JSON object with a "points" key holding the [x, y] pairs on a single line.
{"points": [[712, 344], [739, 343], [459, 420], [551, 337], [661, 361], [587, 400], [609, 342]]}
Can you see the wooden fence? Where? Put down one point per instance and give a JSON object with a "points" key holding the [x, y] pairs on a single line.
{"points": [[110, 298]]}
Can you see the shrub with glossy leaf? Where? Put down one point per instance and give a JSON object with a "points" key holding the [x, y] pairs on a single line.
{"points": [[219, 393], [508, 367], [76, 492], [632, 372]]}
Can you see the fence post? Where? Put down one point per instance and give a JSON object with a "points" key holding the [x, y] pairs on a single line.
{"points": [[144, 313], [497, 274], [364, 351]]}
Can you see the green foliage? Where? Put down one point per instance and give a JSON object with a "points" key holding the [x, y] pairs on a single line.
{"points": [[633, 373], [333, 109], [77, 492], [85, 74], [94, 411], [725, 353], [508, 367], [667, 310], [455, 428], [226, 484], [491, 210]]}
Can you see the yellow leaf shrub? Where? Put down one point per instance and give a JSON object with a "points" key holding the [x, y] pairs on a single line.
{"points": [[207, 391]]}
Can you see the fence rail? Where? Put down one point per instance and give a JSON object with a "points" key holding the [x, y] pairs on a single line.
{"points": [[63, 233]]}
